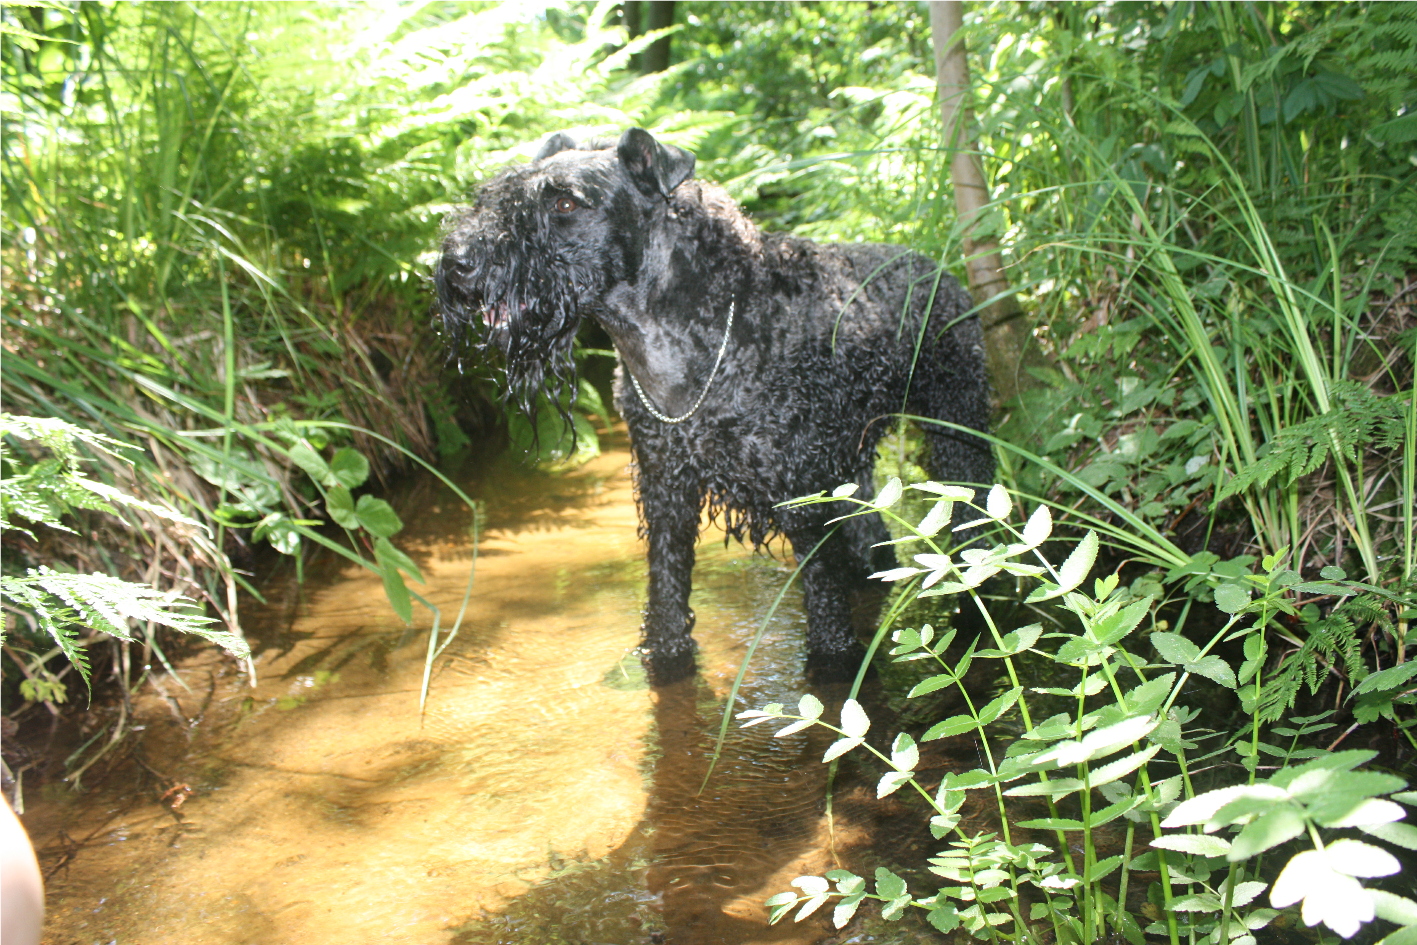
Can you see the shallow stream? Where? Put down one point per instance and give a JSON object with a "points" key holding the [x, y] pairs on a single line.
{"points": [[547, 795]]}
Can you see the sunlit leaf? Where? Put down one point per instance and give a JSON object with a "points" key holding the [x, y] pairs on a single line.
{"points": [[853, 719], [1039, 527], [935, 519], [889, 494], [905, 754], [1356, 858], [998, 504], [1197, 844], [1333, 898], [840, 747], [892, 781]]}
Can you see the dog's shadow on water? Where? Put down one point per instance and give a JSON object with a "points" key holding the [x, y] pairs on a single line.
{"points": [[708, 851]]}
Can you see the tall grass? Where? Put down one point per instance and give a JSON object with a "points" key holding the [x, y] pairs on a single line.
{"points": [[161, 290]]}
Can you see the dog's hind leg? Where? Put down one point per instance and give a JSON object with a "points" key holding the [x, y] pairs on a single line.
{"points": [[950, 384], [670, 507], [828, 576]]}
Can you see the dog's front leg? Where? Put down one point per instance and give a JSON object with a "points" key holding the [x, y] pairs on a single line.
{"points": [[670, 506]]}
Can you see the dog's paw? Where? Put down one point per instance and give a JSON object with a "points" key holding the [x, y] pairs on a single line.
{"points": [[835, 666], [669, 662]]}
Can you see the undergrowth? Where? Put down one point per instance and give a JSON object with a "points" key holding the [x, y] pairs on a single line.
{"points": [[1212, 819]]}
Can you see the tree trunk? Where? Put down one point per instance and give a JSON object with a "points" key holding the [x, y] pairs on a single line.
{"points": [[1009, 344], [661, 16], [632, 18]]}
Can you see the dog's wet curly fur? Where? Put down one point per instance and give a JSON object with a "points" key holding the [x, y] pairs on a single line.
{"points": [[827, 343]]}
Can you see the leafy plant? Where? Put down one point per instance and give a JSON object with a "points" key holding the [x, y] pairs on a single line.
{"points": [[44, 492], [1124, 748]]}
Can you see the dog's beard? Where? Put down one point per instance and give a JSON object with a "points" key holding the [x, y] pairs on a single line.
{"points": [[526, 318]]}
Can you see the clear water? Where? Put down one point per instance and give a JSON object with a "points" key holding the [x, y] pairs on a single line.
{"points": [[547, 795]]}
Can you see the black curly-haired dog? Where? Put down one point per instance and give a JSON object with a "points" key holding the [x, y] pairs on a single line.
{"points": [[754, 367]]}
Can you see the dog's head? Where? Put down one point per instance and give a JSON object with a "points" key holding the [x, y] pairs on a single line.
{"points": [[542, 245]]}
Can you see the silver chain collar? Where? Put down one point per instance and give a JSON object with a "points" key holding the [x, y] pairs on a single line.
{"points": [[654, 412]]}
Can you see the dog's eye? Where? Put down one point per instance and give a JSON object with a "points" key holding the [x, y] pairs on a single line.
{"points": [[565, 205]]}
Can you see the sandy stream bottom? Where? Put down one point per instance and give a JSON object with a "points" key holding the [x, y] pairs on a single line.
{"points": [[547, 795]]}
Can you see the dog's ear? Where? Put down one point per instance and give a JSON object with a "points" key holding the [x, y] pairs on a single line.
{"points": [[555, 144], [655, 168]]}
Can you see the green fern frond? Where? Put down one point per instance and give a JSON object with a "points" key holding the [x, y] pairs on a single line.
{"points": [[62, 603], [54, 486], [1335, 638], [1359, 419]]}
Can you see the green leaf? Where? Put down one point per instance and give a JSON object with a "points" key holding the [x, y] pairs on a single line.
{"points": [[1052, 823], [943, 916], [340, 504], [931, 684], [1174, 648], [1266, 831], [1215, 669], [1015, 642], [1232, 598], [1202, 902], [389, 556], [1402, 835], [1399, 130], [377, 516], [1407, 935], [349, 467], [888, 884], [1111, 629], [810, 707], [1104, 868], [955, 725], [397, 592], [1394, 677], [307, 459], [999, 706]]}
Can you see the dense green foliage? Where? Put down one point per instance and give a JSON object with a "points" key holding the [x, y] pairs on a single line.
{"points": [[1140, 713], [217, 219]]}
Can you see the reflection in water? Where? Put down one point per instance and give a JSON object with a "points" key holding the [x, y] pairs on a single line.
{"points": [[546, 796]]}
